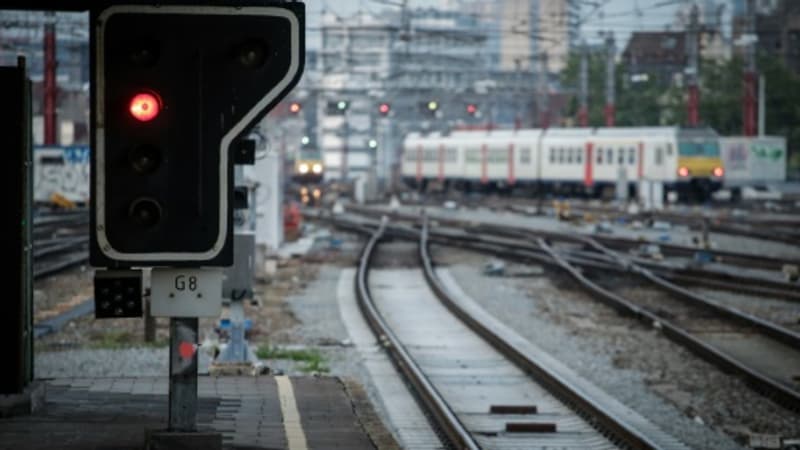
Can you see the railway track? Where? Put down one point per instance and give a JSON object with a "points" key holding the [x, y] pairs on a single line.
{"points": [[60, 241], [483, 385], [759, 351]]}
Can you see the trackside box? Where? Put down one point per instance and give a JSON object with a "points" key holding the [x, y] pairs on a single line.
{"points": [[750, 160]]}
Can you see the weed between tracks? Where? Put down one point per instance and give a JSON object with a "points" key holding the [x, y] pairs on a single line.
{"points": [[312, 358]]}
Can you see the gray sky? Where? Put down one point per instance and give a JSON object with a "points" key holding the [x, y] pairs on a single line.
{"points": [[617, 15]]}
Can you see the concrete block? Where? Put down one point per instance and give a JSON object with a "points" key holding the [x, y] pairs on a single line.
{"points": [[24, 403]]}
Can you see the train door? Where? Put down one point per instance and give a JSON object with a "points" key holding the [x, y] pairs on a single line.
{"points": [[511, 163], [440, 169]]}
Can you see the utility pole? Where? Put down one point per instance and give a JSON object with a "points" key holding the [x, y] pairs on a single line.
{"points": [[750, 74], [583, 111], [544, 113], [50, 79], [610, 109], [693, 106]]}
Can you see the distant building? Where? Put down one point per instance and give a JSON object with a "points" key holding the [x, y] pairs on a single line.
{"points": [[779, 33], [659, 54], [662, 55], [22, 33], [557, 31]]}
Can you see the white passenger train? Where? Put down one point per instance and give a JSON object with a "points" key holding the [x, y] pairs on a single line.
{"points": [[576, 160]]}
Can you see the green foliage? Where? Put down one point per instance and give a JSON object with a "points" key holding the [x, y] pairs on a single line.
{"points": [[120, 339], [648, 103], [313, 359]]}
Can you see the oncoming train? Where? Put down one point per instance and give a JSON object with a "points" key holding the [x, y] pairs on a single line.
{"points": [[567, 160], [308, 167]]}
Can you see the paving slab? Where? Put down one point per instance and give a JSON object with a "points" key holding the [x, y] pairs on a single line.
{"points": [[249, 412]]}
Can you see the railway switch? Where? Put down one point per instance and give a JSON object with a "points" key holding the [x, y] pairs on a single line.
{"points": [[175, 90]]}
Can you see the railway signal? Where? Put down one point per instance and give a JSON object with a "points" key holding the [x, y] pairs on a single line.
{"points": [[472, 109], [429, 108], [295, 108], [337, 107], [175, 89], [384, 109]]}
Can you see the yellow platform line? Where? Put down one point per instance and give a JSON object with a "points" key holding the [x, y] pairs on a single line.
{"points": [[291, 416]]}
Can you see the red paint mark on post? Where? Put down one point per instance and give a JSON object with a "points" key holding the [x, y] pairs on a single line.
{"points": [[187, 349]]}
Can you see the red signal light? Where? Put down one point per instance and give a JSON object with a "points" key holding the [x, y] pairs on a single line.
{"points": [[472, 109], [294, 108], [384, 108], [719, 172], [145, 106], [683, 171]]}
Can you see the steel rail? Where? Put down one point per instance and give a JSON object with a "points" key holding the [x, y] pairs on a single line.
{"points": [[442, 415], [758, 381], [699, 277], [773, 389], [596, 414], [731, 257], [769, 328]]}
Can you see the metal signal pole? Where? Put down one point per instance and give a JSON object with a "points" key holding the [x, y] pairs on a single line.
{"points": [[50, 79], [583, 111], [544, 113], [749, 97], [693, 106], [610, 109]]}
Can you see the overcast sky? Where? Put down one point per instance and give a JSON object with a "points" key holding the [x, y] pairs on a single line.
{"points": [[617, 15]]}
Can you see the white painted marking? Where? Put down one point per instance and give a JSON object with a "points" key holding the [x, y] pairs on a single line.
{"points": [[292, 425]]}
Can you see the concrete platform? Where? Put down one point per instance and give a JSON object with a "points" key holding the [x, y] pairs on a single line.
{"points": [[250, 412]]}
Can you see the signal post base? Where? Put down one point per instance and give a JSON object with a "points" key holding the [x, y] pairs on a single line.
{"points": [[180, 440]]}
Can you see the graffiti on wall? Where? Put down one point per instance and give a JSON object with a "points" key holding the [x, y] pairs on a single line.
{"points": [[61, 171]]}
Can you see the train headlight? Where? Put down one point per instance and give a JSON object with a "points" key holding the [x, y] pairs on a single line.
{"points": [[303, 168], [316, 168], [317, 193], [718, 172], [683, 171]]}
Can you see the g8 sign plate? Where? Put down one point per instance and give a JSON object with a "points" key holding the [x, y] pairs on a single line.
{"points": [[186, 292]]}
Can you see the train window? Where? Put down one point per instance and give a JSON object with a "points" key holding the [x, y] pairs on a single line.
{"points": [[620, 156], [525, 155], [561, 155], [579, 155], [599, 155], [631, 155], [452, 154], [610, 155], [473, 155], [660, 155], [569, 155], [552, 155], [669, 149]]}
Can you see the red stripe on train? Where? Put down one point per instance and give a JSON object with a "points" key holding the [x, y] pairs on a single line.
{"points": [[588, 176]]}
